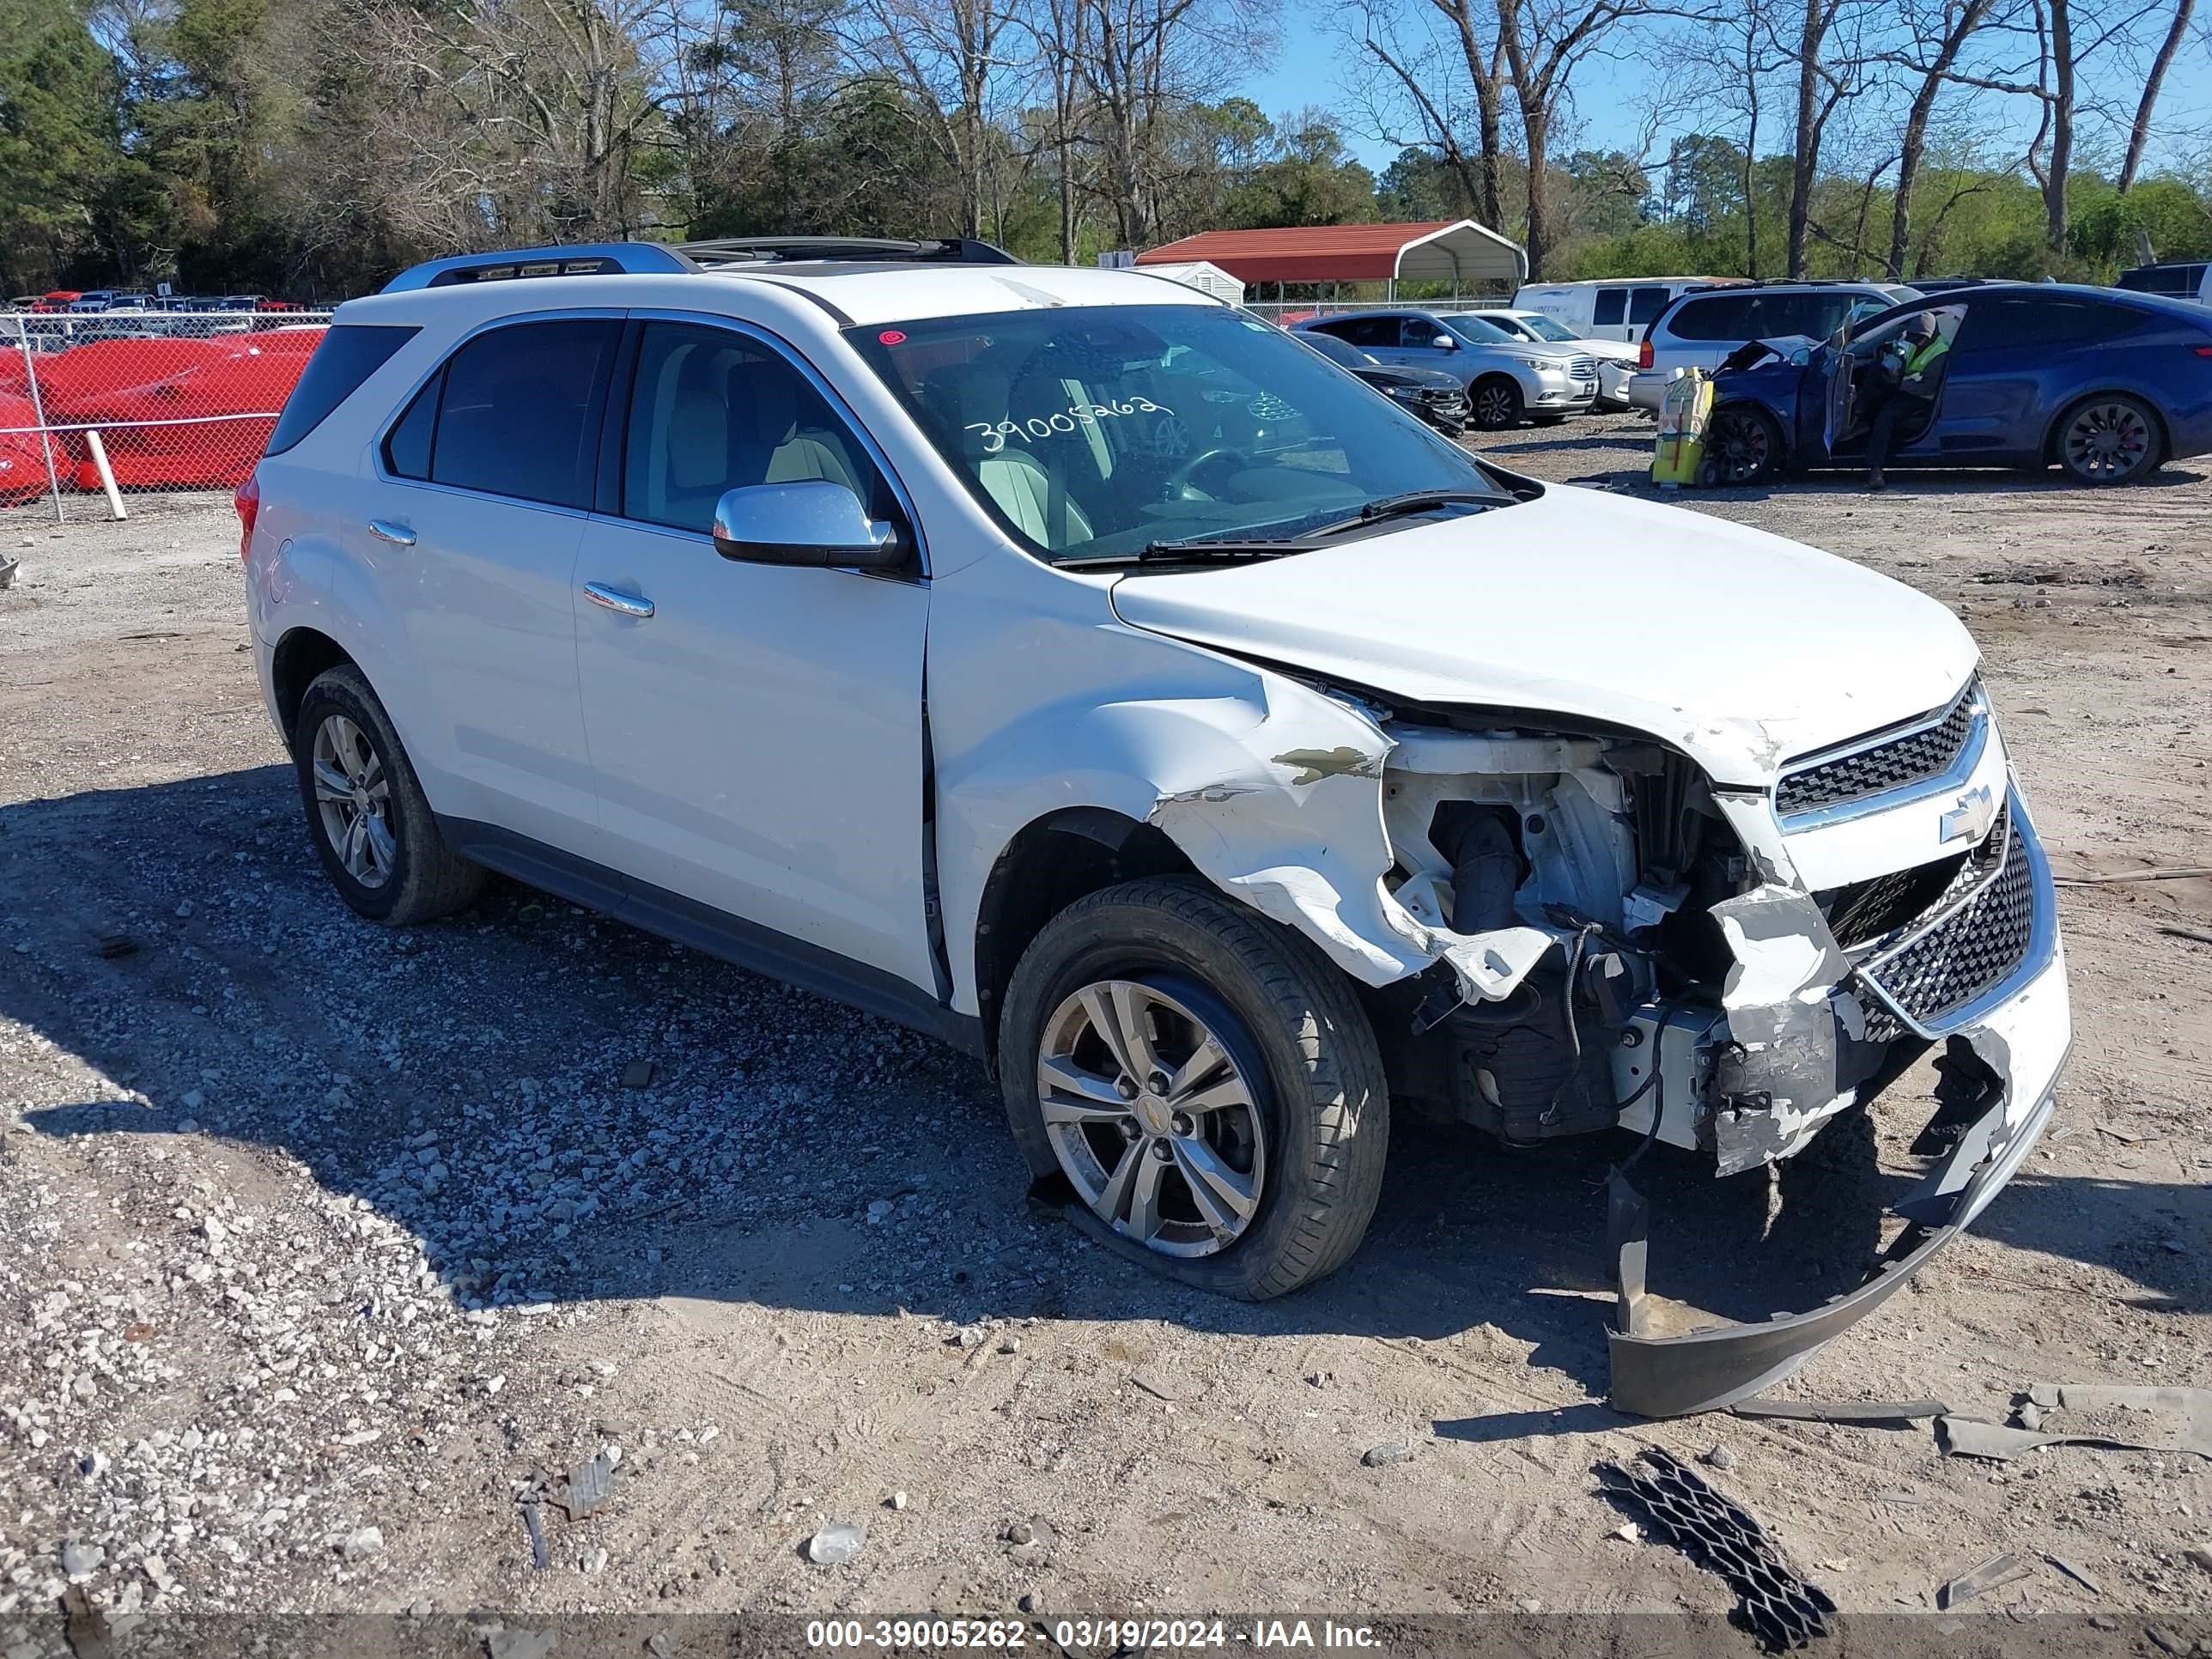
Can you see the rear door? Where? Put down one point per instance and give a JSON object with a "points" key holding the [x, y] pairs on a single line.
{"points": [[484, 483], [1609, 315], [2016, 360]]}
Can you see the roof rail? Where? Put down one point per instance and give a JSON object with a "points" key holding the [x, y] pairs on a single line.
{"points": [[753, 250], [580, 259]]}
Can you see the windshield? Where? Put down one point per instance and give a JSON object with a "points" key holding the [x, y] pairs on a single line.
{"points": [[1544, 328], [1336, 350], [1097, 431], [1475, 331]]}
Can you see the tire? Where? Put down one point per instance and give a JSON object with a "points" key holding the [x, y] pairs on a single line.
{"points": [[407, 875], [1307, 1149], [2109, 438], [1497, 404], [1742, 444]]}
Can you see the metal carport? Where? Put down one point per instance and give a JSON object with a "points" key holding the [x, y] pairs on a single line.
{"points": [[1456, 251]]}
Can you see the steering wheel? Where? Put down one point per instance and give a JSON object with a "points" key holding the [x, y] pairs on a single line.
{"points": [[1180, 482]]}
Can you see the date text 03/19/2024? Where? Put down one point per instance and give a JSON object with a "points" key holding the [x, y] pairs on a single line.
{"points": [[1083, 1635]]}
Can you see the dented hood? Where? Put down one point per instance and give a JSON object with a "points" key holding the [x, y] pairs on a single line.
{"points": [[1739, 647]]}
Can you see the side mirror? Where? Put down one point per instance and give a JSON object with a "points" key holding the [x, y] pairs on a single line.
{"points": [[816, 522], [1444, 343], [1800, 356]]}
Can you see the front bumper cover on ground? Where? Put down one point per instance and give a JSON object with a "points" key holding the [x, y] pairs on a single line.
{"points": [[1705, 1370]]}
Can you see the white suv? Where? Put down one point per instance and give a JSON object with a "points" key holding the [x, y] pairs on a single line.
{"points": [[1062, 663]]}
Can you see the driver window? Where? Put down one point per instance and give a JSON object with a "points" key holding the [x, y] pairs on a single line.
{"points": [[1420, 334], [711, 411]]}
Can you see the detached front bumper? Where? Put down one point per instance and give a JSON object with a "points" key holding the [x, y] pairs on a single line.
{"points": [[2024, 1043]]}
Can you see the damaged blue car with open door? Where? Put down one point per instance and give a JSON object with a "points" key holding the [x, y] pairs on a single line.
{"points": [[2107, 385]]}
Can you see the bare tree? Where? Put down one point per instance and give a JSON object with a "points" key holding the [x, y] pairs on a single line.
{"points": [[1827, 51], [1413, 74], [951, 57], [1942, 37], [2139, 134]]}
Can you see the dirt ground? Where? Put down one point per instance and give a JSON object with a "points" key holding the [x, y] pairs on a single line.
{"points": [[320, 1244]]}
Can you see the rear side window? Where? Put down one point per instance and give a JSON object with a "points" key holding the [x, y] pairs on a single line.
{"points": [[514, 412], [348, 355], [1611, 305], [1722, 317], [1646, 304], [2001, 324], [1365, 331]]}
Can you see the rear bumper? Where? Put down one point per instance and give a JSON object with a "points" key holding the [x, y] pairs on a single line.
{"points": [[1645, 388], [2024, 1042]]}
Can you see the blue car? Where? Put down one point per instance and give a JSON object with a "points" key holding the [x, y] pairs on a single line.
{"points": [[2107, 384]]}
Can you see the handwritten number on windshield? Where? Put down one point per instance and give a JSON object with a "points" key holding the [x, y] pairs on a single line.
{"points": [[995, 434]]}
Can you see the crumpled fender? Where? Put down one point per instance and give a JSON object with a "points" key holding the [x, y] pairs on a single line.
{"points": [[1274, 791]]}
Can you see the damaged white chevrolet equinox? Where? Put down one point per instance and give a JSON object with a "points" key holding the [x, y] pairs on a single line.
{"points": [[1072, 667]]}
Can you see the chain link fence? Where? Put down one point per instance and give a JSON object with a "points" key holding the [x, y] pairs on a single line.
{"points": [[97, 406]]}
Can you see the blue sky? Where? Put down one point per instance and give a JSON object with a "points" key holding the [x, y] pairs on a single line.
{"points": [[1308, 68]]}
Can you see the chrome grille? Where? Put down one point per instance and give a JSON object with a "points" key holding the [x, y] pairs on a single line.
{"points": [[1864, 913], [1582, 368], [1914, 757], [1937, 972]]}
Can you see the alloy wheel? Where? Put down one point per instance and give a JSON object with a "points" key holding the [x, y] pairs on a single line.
{"points": [[353, 797], [1152, 1116], [1740, 447], [1494, 407], [2106, 441]]}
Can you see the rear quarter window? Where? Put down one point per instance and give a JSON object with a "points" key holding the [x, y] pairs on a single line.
{"points": [[348, 355]]}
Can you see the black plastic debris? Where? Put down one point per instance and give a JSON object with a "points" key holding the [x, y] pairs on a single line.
{"points": [[534, 1524], [111, 945], [1778, 1606]]}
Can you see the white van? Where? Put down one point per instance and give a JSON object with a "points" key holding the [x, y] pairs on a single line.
{"points": [[1618, 309]]}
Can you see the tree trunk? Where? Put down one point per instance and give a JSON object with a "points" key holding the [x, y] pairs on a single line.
{"points": [[1805, 164], [1751, 155], [2139, 135], [1915, 141], [2062, 125]]}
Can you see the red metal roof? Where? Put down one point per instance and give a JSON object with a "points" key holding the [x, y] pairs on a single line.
{"points": [[1350, 253]]}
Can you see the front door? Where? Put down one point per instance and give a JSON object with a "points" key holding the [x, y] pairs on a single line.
{"points": [[756, 730], [471, 537]]}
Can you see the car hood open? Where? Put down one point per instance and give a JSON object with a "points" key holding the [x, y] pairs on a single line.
{"points": [[1740, 648]]}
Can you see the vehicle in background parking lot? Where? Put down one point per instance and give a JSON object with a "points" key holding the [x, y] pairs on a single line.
{"points": [[2177, 279], [2105, 384], [1614, 310], [1699, 331], [1507, 379], [1616, 359], [1436, 396]]}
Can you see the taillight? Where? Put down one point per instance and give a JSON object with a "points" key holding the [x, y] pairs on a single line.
{"points": [[247, 499], [2204, 351], [1644, 358]]}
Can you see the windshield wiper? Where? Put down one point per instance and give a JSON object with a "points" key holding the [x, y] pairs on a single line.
{"points": [[1412, 502]]}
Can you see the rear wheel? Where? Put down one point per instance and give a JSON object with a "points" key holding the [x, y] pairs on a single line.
{"points": [[367, 814], [1742, 445], [1205, 1082], [1496, 403], [2110, 439]]}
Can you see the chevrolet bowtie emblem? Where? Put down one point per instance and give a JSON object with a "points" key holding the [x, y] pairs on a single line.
{"points": [[1969, 818]]}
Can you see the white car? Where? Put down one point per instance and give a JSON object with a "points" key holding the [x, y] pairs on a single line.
{"points": [[1616, 359], [1062, 663]]}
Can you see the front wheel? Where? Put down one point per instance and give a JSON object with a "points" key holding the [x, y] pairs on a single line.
{"points": [[1742, 445], [1205, 1082], [1496, 403], [2110, 439]]}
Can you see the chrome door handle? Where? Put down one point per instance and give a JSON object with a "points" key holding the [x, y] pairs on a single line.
{"points": [[398, 534], [630, 604]]}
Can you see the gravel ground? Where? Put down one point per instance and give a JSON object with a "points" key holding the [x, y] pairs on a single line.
{"points": [[327, 1245]]}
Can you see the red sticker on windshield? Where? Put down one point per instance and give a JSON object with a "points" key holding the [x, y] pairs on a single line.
{"points": [[891, 336]]}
